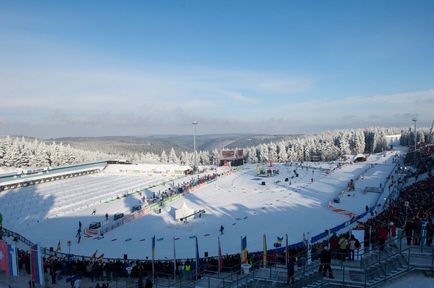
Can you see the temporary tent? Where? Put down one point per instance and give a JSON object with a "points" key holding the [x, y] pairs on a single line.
{"points": [[183, 211]]}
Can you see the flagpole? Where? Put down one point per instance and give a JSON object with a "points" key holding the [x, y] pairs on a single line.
{"points": [[219, 256], [241, 242], [174, 260], [286, 250], [153, 257], [197, 257], [309, 249], [265, 251]]}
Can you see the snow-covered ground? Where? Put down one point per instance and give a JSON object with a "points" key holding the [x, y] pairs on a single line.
{"points": [[238, 201]]}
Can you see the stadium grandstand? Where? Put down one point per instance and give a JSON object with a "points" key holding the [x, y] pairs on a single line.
{"points": [[37, 176]]}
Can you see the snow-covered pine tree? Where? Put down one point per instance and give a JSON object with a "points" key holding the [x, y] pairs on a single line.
{"points": [[2, 152], [173, 159], [272, 152], [420, 136], [215, 157], [381, 142], [42, 156], [282, 156], [163, 158], [431, 134], [204, 158], [263, 153], [370, 140]]}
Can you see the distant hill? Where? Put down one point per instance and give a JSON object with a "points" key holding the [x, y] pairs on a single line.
{"points": [[158, 143]]}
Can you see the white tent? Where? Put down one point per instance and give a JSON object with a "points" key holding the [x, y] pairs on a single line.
{"points": [[183, 211]]}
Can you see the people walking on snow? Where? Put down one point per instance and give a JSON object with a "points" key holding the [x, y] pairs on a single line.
{"points": [[221, 229], [93, 212]]}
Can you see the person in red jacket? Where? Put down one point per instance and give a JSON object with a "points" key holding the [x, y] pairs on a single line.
{"points": [[382, 236]]}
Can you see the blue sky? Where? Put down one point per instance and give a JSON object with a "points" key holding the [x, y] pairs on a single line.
{"points": [[90, 68]]}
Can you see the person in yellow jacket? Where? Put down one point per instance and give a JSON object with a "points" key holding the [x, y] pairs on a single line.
{"points": [[343, 245]]}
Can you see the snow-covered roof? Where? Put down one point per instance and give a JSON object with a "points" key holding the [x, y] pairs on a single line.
{"points": [[358, 156], [148, 168]]}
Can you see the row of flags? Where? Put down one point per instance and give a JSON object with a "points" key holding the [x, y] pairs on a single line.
{"points": [[8, 257]]}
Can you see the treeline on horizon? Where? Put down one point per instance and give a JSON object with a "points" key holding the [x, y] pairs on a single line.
{"points": [[24, 153]]}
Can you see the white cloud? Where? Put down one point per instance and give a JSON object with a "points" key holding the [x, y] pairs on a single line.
{"points": [[88, 93], [237, 96]]}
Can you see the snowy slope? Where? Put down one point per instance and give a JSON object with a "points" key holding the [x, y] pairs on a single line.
{"points": [[238, 202]]}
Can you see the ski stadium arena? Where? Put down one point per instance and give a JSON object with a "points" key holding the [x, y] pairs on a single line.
{"points": [[121, 207]]}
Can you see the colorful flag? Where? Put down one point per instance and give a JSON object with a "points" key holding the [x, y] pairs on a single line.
{"points": [[4, 257], [244, 250], [8, 259], [36, 265], [220, 256], [265, 251]]}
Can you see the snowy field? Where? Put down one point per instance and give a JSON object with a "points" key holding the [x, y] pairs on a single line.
{"points": [[50, 212]]}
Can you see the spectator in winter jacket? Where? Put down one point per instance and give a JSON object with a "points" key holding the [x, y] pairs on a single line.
{"points": [[382, 236], [343, 245], [326, 258], [334, 246], [417, 228], [352, 247], [408, 231]]}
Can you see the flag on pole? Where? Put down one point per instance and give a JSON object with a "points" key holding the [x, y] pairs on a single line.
{"points": [[8, 258], [4, 257], [265, 251], [220, 256], [244, 250], [36, 265]]}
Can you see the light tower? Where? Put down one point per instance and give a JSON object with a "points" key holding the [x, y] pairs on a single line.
{"points": [[194, 123]]}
